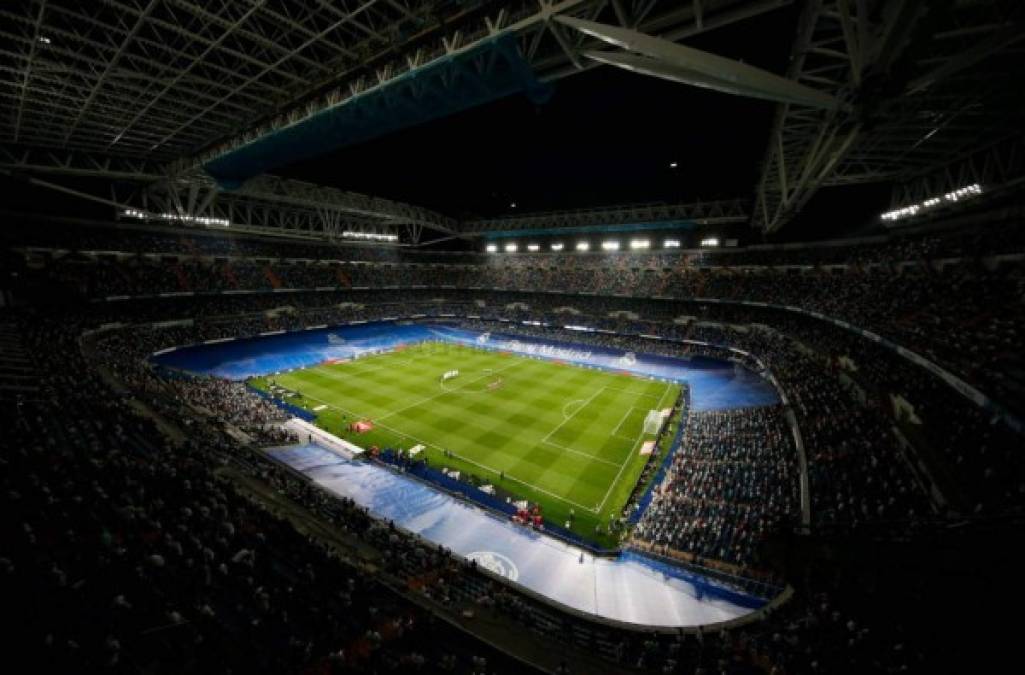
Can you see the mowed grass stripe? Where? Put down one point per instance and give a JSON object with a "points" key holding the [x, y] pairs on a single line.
{"points": [[563, 435]]}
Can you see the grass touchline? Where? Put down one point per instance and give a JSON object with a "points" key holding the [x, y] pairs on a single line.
{"points": [[564, 436]]}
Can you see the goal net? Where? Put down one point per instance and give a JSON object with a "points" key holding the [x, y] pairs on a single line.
{"points": [[653, 421]]}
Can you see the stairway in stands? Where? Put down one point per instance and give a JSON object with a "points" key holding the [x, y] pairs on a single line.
{"points": [[18, 376]]}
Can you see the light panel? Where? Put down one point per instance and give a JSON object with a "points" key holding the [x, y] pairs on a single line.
{"points": [[369, 236], [960, 194], [175, 217]]}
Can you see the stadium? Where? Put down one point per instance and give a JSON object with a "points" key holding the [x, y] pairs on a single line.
{"points": [[512, 336]]}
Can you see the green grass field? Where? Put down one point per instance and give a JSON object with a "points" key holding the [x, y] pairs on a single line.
{"points": [[563, 436]]}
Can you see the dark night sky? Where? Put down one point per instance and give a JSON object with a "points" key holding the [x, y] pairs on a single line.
{"points": [[607, 136]]}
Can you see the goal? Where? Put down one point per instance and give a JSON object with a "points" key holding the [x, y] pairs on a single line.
{"points": [[653, 421]]}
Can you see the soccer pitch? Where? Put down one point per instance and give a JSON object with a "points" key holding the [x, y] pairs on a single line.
{"points": [[566, 437]]}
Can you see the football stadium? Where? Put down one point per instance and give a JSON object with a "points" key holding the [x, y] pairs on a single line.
{"points": [[512, 336]]}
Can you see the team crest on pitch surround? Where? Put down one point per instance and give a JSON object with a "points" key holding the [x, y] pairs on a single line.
{"points": [[483, 337], [335, 339], [495, 562], [628, 359]]}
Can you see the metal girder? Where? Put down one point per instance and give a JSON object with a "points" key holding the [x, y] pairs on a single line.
{"points": [[295, 209], [552, 52], [57, 162], [805, 144], [999, 167], [665, 59], [298, 194], [162, 79], [928, 82], [297, 204], [142, 90], [722, 211], [289, 205]]}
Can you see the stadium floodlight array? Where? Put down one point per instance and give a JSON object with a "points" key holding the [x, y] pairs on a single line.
{"points": [[370, 237], [511, 248], [492, 248], [671, 243], [557, 246], [176, 217], [583, 246], [957, 195], [610, 245], [533, 248], [639, 244], [710, 241]]}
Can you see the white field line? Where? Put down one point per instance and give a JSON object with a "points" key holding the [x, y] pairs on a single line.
{"points": [[361, 365], [347, 380], [447, 391], [545, 440], [564, 415], [578, 452], [615, 432], [468, 461], [366, 364], [632, 393], [619, 474], [629, 457], [669, 388], [575, 413]]}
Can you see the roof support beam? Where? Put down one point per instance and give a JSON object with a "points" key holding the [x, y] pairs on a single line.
{"points": [[672, 61]]}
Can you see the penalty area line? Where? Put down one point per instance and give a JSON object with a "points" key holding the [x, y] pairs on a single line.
{"points": [[575, 413], [578, 452], [460, 457], [630, 456]]}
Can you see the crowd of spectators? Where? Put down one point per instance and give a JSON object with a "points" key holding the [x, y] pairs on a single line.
{"points": [[233, 403], [129, 550], [990, 476], [183, 566], [733, 481], [936, 294]]}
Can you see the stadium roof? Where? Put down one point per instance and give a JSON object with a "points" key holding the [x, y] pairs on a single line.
{"points": [[813, 94]]}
